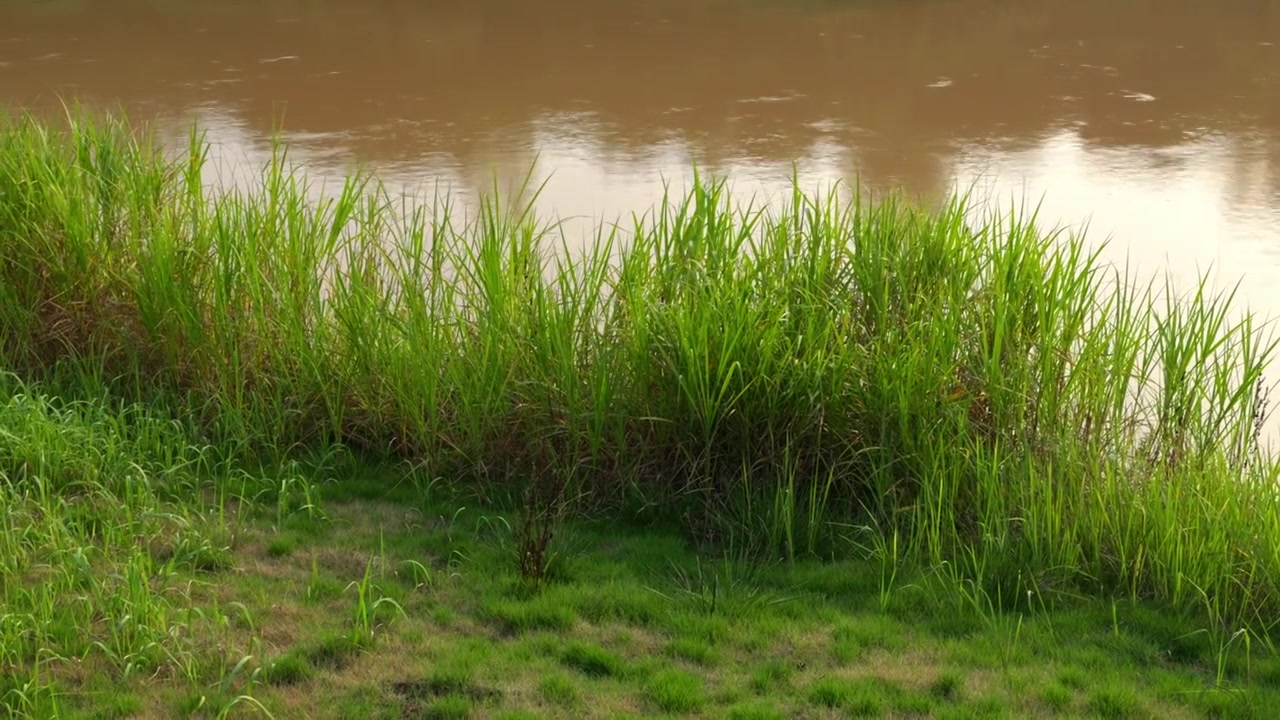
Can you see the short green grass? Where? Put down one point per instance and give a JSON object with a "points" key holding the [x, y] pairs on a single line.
{"points": [[626, 630]]}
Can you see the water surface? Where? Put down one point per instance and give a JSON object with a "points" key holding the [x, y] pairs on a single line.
{"points": [[1158, 123]]}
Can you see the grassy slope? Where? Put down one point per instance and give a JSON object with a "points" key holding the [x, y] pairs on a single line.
{"points": [[365, 595]]}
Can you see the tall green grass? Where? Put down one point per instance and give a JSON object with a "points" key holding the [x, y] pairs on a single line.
{"points": [[824, 374], [91, 539]]}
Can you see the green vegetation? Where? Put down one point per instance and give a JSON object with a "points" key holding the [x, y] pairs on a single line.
{"points": [[263, 453], [148, 588]]}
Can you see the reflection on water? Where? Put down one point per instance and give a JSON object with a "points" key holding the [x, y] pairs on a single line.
{"points": [[1154, 121]]}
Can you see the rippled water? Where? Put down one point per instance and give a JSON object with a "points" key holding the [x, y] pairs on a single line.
{"points": [[1156, 122]]}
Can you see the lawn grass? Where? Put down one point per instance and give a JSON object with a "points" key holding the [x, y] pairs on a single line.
{"points": [[842, 457]]}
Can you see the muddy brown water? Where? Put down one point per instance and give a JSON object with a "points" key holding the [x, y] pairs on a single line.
{"points": [[1156, 122]]}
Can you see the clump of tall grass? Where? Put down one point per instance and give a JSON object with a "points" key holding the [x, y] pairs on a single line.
{"points": [[997, 399], [93, 540]]}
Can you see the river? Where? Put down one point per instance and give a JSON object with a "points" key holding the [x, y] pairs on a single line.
{"points": [[1156, 123]]}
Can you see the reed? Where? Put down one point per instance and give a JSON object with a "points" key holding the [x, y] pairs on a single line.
{"points": [[993, 400]]}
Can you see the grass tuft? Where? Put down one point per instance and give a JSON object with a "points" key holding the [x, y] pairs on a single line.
{"points": [[830, 693], [695, 651], [560, 690], [591, 660], [1115, 702], [675, 691], [332, 652], [288, 669], [539, 614], [949, 687]]}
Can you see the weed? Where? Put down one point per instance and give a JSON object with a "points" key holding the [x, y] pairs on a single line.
{"points": [[364, 621]]}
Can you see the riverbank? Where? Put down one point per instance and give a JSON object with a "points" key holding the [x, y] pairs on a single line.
{"points": [[983, 417], [144, 579]]}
